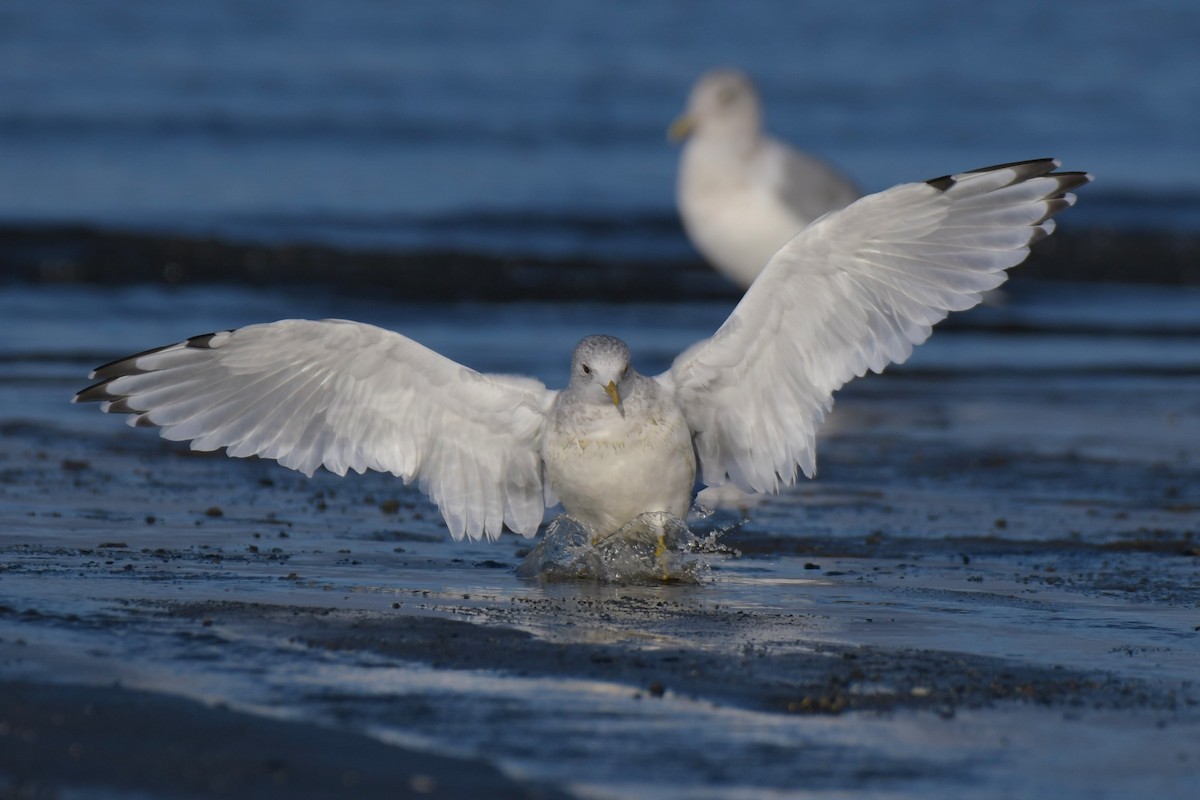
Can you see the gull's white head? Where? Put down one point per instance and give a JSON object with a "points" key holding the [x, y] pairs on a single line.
{"points": [[723, 103], [598, 368]]}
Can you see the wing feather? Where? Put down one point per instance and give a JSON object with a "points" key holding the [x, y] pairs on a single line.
{"points": [[855, 291], [348, 396]]}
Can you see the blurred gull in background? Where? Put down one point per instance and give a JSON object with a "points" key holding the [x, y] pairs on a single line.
{"points": [[741, 193]]}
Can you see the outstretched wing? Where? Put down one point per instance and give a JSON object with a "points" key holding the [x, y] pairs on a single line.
{"points": [[856, 290], [348, 396]]}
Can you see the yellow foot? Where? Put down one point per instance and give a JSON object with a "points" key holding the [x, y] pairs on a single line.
{"points": [[659, 549]]}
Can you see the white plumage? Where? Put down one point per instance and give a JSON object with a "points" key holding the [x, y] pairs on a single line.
{"points": [[853, 292], [742, 194]]}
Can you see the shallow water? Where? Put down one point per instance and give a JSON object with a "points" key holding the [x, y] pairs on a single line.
{"points": [[989, 591], [653, 549]]}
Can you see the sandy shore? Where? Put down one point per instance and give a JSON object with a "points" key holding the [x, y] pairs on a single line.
{"points": [[964, 609], [991, 590], [121, 742]]}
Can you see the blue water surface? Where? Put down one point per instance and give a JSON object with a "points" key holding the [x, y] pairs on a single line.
{"points": [[524, 126]]}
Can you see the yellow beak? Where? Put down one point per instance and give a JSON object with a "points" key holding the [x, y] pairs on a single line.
{"points": [[612, 392], [680, 128]]}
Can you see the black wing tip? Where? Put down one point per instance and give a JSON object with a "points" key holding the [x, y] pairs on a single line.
{"points": [[943, 183], [203, 341], [96, 393], [99, 393], [122, 366], [120, 405], [126, 365], [1035, 164], [106, 373], [1030, 168], [1072, 180]]}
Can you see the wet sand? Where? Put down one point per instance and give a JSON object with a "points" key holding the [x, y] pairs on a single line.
{"points": [[121, 742], [991, 591]]}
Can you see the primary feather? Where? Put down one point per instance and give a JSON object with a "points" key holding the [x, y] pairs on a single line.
{"points": [[348, 396]]}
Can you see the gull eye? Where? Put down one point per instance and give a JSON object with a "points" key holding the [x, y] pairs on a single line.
{"points": [[587, 370]]}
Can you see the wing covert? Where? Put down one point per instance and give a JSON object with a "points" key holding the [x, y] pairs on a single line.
{"points": [[348, 396], [855, 291]]}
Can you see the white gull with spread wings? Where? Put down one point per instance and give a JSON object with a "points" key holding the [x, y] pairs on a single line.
{"points": [[855, 291]]}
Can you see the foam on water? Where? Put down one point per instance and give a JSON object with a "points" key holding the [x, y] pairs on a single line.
{"points": [[653, 548]]}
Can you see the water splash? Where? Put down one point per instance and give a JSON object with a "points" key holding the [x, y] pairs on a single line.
{"points": [[653, 548]]}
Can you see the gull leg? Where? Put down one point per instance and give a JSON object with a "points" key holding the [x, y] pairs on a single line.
{"points": [[660, 546], [659, 549]]}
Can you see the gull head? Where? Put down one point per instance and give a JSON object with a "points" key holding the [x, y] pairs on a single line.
{"points": [[723, 103], [598, 367]]}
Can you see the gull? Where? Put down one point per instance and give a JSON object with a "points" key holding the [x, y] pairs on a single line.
{"points": [[742, 194], [855, 291]]}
